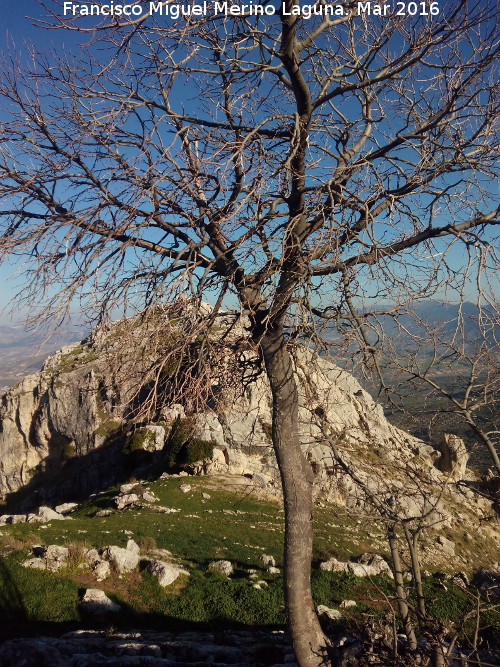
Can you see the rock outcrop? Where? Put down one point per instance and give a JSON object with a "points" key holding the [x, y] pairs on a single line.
{"points": [[69, 423]]}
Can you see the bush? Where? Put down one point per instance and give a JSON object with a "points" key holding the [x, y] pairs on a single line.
{"points": [[146, 543], [183, 447], [138, 440], [196, 450], [180, 434]]}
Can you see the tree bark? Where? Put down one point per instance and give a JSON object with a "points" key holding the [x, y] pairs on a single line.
{"points": [[309, 642], [397, 570]]}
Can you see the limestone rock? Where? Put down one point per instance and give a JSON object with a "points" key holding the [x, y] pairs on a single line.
{"points": [[92, 557], [166, 573], [332, 614], [102, 570], [35, 563], [185, 488], [44, 515], [65, 508], [367, 565], [454, 457], [223, 566], [149, 497], [445, 545], [97, 602], [123, 560], [127, 488], [56, 552], [12, 518], [171, 412], [156, 441], [133, 547], [347, 604], [267, 560], [126, 500], [51, 558], [81, 399]]}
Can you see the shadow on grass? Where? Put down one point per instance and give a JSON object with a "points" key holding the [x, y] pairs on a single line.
{"points": [[74, 479]]}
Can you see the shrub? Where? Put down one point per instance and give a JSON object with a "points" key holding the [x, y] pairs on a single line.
{"points": [[183, 447], [146, 543], [180, 434], [196, 450], [69, 451], [138, 440]]}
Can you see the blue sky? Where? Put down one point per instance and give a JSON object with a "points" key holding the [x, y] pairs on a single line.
{"points": [[18, 32]]}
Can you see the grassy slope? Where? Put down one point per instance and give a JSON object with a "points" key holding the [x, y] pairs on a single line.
{"points": [[233, 524]]}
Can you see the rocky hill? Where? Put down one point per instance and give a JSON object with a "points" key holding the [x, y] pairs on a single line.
{"points": [[78, 426]]}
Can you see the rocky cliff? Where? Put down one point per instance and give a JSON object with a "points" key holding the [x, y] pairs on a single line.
{"points": [[64, 431]]}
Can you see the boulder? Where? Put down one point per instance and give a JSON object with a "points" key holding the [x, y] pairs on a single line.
{"points": [[12, 518], [35, 564], [346, 604], [166, 573], [171, 412], [92, 557], [66, 507], [267, 560], [445, 546], [156, 441], [55, 552], [133, 547], [223, 566], [102, 570], [367, 565], [95, 601], [44, 515], [51, 558], [123, 560], [125, 500], [185, 488], [327, 612], [127, 488], [149, 497]]}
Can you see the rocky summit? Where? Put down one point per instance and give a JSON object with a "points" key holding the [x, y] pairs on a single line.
{"points": [[81, 424]]}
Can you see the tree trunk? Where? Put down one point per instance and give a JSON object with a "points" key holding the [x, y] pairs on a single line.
{"points": [[397, 570], [309, 642]]}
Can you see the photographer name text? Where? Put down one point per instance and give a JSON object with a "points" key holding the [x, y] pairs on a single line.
{"points": [[177, 11]]}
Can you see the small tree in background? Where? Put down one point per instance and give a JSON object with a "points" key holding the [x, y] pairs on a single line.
{"points": [[295, 169]]}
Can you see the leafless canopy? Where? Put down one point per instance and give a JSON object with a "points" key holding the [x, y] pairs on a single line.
{"points": [[286, 161], [288, 166]]}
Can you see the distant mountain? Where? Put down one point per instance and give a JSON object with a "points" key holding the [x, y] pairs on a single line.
{"points": [[464, 320], [23, 352], [428, 321]]}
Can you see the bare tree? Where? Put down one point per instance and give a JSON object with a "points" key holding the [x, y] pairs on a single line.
{"points": [[288, 166]]}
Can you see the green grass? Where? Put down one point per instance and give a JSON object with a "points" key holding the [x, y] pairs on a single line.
{"points": [[232, 524]]}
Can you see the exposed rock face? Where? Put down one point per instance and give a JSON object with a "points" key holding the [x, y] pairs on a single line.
{"points": [[65, 421], [454, 456]]}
